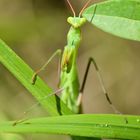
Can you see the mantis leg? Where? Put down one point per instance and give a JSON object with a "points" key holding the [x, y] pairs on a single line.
{"points": [[58, 52], [91, 60]]}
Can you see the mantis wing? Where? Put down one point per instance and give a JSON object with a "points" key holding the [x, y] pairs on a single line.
{"points": [[118, 17]]}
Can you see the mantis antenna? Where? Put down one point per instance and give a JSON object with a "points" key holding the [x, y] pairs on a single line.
{"points": [[84, 7], [71, 8]]}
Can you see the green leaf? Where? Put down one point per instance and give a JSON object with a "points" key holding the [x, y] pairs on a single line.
{"points": [[118, 17], [100, 126], [24, 74]]}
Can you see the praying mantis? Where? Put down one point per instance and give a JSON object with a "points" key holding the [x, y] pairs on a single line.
{"points": [[71, 92]]}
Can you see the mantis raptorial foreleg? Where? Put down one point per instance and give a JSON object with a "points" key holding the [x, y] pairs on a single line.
{"points": [[58, 52], [33, 80], [92, 60]]}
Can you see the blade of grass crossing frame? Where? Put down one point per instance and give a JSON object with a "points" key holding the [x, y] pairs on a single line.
{"points": [[24, 74], [99, 126]]}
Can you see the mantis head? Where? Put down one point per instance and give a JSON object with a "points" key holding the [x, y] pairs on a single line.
{"points": [[76, 22]]}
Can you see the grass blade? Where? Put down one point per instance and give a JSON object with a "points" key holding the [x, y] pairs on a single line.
{"points": [[24, 74], [100, 126]]}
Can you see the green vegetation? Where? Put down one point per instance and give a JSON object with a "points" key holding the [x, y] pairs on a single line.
{"points": [[100, 126], [118, 17]]}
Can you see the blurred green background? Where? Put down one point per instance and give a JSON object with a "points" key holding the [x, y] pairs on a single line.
{"points": [[35, 29]]}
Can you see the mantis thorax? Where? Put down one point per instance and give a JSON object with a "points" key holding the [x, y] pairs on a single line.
{"points": [[76, 22]]}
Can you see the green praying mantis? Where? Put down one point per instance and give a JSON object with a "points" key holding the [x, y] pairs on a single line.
{"points": [[68, 86], [71, 92]]}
